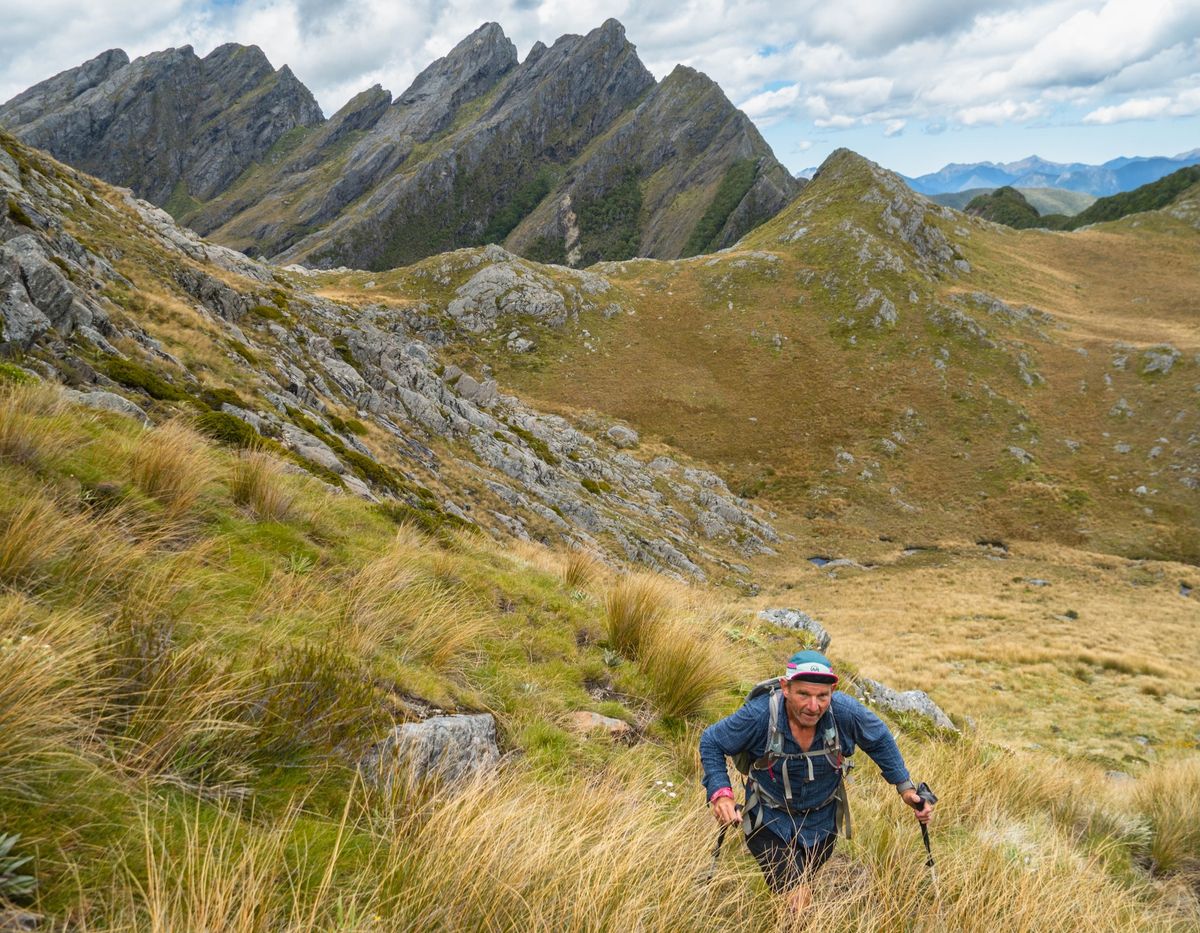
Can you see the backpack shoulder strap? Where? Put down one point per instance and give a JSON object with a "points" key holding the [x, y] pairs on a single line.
{"points": [[774, 735]]}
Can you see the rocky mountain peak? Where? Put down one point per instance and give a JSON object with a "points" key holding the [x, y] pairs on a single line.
{"points": [[62, 88], [476, 63]]}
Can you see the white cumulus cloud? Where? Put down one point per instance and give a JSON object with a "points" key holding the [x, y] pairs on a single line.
{"points": [[1186, 104]]}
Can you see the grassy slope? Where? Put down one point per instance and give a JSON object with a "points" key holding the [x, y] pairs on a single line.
{"points": [[154, 793], [696, 366]]}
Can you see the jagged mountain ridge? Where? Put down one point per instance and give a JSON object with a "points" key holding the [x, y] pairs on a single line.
{"points": [[1111, 177], [170, 124], [480, 148]]}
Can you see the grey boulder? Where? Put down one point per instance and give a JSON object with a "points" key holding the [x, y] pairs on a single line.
{"points": [[915, 702], [452, 748], [799, 621], [107, 401]]}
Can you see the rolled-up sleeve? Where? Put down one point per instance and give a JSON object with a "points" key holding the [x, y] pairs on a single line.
{"points": [[745, 730], [872, 735]]}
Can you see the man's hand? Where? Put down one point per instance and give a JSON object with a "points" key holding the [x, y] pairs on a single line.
{"points": [[725, 811], [923, 810]]}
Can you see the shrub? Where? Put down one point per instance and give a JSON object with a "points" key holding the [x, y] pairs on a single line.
{"points": [[136, 376], [427, 518], [536, 444], [10, 374], [634, 608], [737, 181], [226, 428], [314, 699], [18, 214], [609, 221], [216, 396], [595, 486], [267, 312]]}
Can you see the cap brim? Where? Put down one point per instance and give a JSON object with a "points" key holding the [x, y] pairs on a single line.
{"points": [[809, 677]]}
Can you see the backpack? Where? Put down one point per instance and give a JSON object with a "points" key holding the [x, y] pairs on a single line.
{"points": [[830, 748]]}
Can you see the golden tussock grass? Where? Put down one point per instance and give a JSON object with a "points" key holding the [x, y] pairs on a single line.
{"points": [[173, 464], [37, 426], [685, 667], [257, 481], [1169, 796], [205, 877], [48, 687], [507, 853], [635, 606], [33, 535], [580, 569], [394, 602]]}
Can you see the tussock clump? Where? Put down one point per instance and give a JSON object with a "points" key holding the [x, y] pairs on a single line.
{"points": [[634, 608], [1169, 796], [48, 690], [393, 602], [258, 482], [35, 429], [172, 463], [33, 535], [685, 671], [580, 570]]}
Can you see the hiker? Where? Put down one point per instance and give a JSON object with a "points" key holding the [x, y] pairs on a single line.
{"points": [[793, 742]]}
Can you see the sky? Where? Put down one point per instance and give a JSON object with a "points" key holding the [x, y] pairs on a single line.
{"points": [[911, 84]]}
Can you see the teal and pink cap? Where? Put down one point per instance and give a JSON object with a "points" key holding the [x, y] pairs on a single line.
{"points": [[811, 666]]}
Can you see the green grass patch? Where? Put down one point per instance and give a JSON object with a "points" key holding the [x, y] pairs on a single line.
{"points": [[137, 376], [738, 180], [18, 214], [226, 428], [610, 221]]}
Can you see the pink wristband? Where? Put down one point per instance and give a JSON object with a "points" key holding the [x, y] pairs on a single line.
{"points": [[721, 792]]}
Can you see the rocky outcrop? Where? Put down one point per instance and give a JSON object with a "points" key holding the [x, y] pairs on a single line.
{"points": [[799, 621], [907, 702]]}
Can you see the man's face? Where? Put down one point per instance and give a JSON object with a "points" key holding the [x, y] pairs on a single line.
{"points": [[807, 702]]}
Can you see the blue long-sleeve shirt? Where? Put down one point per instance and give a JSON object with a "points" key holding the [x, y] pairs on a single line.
{"points": [[746, 730]]}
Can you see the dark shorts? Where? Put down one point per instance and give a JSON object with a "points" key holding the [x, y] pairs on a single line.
{"points": [[785, 864]]}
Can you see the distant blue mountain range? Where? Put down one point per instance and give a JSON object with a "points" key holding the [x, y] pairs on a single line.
{"points": [[1112, 177]]}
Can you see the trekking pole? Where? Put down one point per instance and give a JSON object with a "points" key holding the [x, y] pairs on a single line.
{"points": [[927, 797], [716, 853]]}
